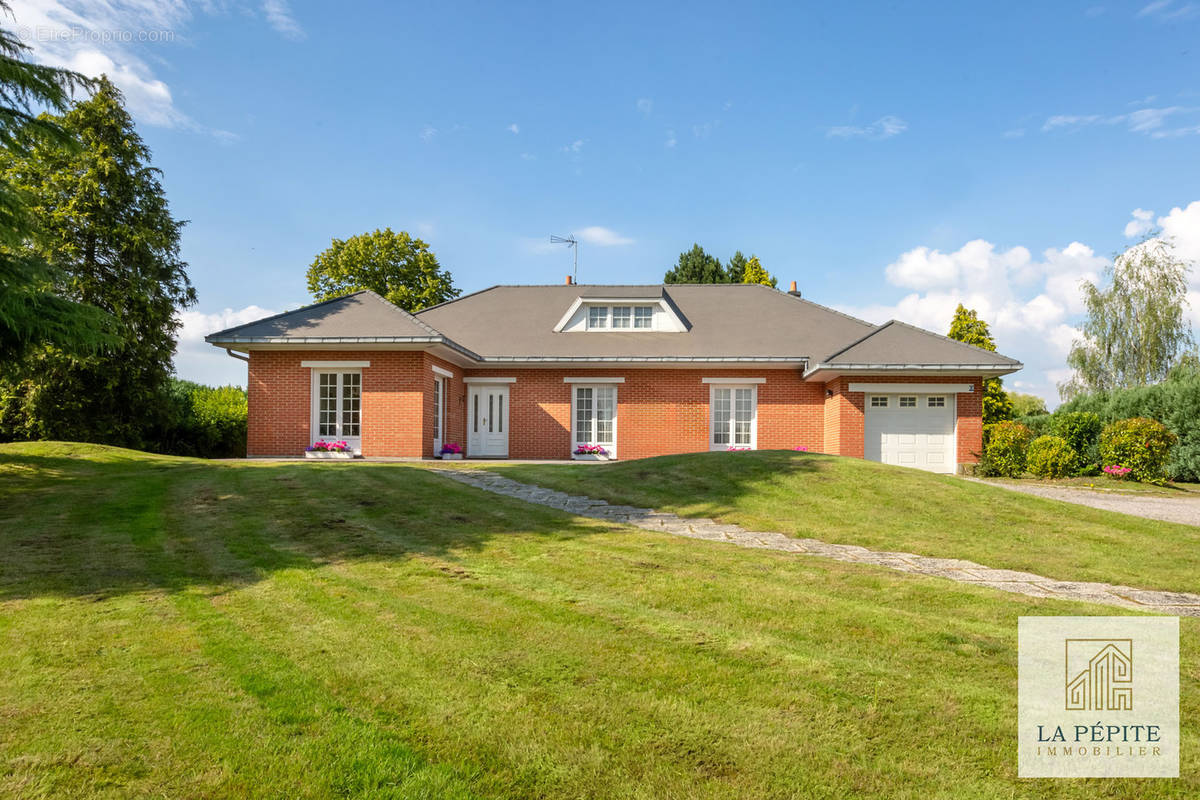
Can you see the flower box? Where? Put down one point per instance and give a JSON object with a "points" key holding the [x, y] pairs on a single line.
{"points": [[329, 454], [451, 456], [451, 451], [590, 457]]}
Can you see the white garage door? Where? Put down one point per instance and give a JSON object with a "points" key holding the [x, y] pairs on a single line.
{"points": [[911, 430]]}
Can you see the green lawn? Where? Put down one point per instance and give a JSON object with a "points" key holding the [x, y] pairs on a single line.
{"points": [[171, 627], [850, 501]]}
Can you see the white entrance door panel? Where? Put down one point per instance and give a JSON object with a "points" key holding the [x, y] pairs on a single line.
{"points": [[487, 421], [914, 430]]}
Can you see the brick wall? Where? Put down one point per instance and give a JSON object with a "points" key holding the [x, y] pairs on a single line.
{"points": [[659, 411]]}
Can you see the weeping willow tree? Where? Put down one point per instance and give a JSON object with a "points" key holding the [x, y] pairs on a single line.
{"points": [[1136, 329], [35, 308]]}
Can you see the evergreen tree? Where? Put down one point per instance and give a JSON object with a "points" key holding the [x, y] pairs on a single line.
{"points": [[32, 308], [393, 265], [696, 266], [969, 328], [754, 273], [104, 224], [735, 270]]}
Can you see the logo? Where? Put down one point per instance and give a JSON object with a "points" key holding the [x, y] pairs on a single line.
{"points": [[1098, 697], [1099, 674]]}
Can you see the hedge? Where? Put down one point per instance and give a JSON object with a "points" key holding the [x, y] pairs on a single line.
{"points": [[1051, 457], [1143, 445]]}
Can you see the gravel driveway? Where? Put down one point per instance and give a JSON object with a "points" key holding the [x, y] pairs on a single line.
{"points": [[1169, 509]]}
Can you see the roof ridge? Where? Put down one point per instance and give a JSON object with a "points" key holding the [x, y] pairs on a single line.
{"points": [[830, 309], [407, 314], [857, 341], [285, 313]]}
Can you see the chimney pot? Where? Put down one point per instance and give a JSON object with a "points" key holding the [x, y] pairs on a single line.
{"points": [[792, 288], [793, 291], [568, 282]]}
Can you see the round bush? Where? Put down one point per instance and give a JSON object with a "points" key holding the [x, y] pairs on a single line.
{"points": [[1143, 445], [1051, 457], [1005, 453], [1081, 430]]}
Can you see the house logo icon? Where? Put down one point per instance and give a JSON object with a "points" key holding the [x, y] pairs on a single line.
{"points": [[1099, 675]]}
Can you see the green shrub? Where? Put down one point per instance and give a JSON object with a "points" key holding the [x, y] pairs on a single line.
{"points": [[1143, 445], [204, 421], [1051, 457], [1040, 424], [1005, 454], [1175, 402], [1081, 430]]}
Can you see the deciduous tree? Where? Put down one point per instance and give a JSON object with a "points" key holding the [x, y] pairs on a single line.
{"points": [[393, 265], [1136, 331], [969, 328]]}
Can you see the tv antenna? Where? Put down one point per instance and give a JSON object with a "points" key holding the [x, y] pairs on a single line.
{"points": [[573, 243]]}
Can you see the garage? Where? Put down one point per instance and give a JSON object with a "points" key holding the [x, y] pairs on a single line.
{"points": [[910, 429]]}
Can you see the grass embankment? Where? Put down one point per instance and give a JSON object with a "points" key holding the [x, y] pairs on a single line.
{"points": [[170, 627]]}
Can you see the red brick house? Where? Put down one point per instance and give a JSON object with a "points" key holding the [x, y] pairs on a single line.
{"points": [[537, 371]]}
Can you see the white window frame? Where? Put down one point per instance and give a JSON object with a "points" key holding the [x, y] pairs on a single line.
{"points": [[647, 317], [712, 417], [883, 398], [575, 387], [941, 398], [591, 324], [901, 404], [315, 405], [626, 317], [439, 412]]}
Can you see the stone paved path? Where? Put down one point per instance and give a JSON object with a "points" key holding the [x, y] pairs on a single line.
{"points": [[951, 568]]}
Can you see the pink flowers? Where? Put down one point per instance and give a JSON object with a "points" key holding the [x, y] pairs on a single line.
{"points": [[1116, 471], [322, 446], [735, 449], [451, 448], [800, 448], [590, 450]]}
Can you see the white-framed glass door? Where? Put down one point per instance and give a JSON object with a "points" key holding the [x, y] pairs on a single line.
{"points": [[487, 421], [733, 416], [439, 411], [594, 417], [337, 407]]}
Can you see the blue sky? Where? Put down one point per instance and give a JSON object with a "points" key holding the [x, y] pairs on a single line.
{"points": [[891, 160]]}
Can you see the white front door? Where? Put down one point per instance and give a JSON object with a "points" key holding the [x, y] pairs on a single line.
{"points": [[487, 421], [911, 430]]}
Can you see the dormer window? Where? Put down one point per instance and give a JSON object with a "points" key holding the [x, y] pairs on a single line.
{"points": [[622, 316], [598, 317], [643, 317]]}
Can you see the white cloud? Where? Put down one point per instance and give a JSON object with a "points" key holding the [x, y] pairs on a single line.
{"points": [[1168, 10], [1140, 223], [671, 140], [428, 133], [882, 128], [1149, 121], [279, 16], [645, 105], [1182, 227], [514, 128], [1030, 302], [602, 237], [196, 360], [573, 147]]}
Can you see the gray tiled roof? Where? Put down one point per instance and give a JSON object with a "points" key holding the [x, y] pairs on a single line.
{"points": [[362, 315], [897, 342], [724, 321]]}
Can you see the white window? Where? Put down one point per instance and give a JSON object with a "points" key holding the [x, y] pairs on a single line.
{"points": [[595, 417], [439, 410], [908, 402], [622, 316], [598, 317], [733, 413], [643, 317], [879, 401], [937, 402], [337, 404]]}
